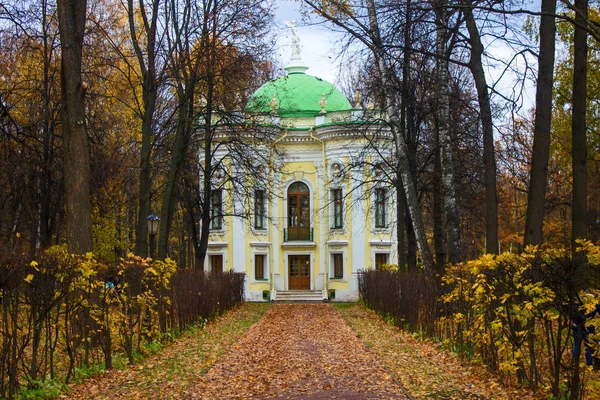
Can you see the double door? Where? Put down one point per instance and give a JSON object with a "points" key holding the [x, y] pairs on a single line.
{"points": [[299, 271]]}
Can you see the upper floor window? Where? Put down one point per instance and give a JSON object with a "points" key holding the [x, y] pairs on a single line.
{"points": [[259, 209], [216, 209], [336, 195], [380, 208]]}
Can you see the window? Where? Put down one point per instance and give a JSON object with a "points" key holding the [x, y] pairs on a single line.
{"points": [[380, 209], [259, 266], [336, 195], [216, 263], [259, 209], [338, 265], [381, 258], [216, 209]]}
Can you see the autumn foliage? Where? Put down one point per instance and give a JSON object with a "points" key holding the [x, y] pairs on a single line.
{"points": [[62, 314], [516, 313]]}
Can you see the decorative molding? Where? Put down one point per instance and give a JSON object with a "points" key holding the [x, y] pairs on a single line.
{"points": [[337, 243], [260, 244], [381, 243], [217, 244], [299, 244]]}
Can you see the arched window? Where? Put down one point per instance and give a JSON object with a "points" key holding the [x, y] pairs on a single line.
{"points": [[298, 212]]}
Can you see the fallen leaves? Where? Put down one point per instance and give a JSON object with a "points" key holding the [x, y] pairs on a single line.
{"points": [[167, 374], [298, 351], [425, 369]]}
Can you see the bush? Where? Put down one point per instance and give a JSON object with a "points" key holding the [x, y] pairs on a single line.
{"points": [[513, 312], [63, 313]]}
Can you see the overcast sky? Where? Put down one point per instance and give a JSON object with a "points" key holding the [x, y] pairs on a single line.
{"points": [[318, 50], [317, 42]]}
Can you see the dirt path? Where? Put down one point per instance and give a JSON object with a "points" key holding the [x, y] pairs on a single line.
{"points": [[298, 352]]}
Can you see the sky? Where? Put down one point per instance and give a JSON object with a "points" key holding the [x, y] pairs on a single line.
{"points": [[317, 42], [319, 54]]}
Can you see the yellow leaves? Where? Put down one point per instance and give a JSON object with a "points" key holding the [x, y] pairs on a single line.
{"points": [[28, 278]]}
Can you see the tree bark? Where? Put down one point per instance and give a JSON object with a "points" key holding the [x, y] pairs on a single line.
{"points": [[443, 127], [579, 166], [578, 127], [400, 142], [485, 112], [147, 63], [178, 154], [541, 134], [438, 210], [71, 23]]}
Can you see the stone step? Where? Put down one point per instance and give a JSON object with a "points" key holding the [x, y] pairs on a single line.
{"points": [[299, 295]]}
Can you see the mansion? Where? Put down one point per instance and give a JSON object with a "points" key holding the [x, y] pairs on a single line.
{"points": [[320, 228]]}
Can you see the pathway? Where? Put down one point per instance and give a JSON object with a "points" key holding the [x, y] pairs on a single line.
{"points": [[298, 351]]}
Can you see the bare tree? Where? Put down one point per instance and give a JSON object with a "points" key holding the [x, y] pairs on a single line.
{"points": [[71, 23]]}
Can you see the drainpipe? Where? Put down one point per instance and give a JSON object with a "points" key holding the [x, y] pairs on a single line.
{"points": [[272, 269], [325, 258]]}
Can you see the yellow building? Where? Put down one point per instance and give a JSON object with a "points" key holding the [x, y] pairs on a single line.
{"points": [[318, 223]]}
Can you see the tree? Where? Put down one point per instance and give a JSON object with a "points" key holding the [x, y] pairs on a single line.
{"points": [[76, 151], [541, 136], [485, 110]]}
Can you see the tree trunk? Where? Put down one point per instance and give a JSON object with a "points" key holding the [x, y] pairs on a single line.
{"points": [[147, 63], [71, 23], [579, 165], [400, 142], [438, 210], [485, 112], [541, 133], [443, 127], [578, 127], [178, 154]]}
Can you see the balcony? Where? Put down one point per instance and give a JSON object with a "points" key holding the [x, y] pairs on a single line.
{"points": [[298, 234]]}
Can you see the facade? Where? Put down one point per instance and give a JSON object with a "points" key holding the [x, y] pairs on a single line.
{"points": [[313, 227]]}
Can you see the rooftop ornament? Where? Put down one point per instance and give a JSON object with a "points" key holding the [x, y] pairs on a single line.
{"points": [[323, 103]]}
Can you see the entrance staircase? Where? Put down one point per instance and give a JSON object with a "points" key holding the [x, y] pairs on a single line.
{"points": [[299, 295]]}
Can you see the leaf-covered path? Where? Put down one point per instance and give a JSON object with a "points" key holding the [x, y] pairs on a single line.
{"points": [[298, 352]]}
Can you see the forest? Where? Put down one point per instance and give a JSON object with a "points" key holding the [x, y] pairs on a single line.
{"points": [[105, 107]]}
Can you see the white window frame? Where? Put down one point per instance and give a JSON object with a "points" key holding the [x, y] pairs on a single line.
{"points": [[332, 209], [332, 276], [266, 266], [264, 230], [208, 267]]}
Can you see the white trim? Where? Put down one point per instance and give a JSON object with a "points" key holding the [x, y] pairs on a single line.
{"points": [[334, 242], [299, 244], [218, 244], [311, 193], [208, 267], [331, 208], [332, 266], [259, 231], [381, 243], [387, 206], [260, 244], [266, 269], [377, 251]]}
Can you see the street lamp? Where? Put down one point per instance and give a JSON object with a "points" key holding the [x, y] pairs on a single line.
{"points": [[153, 222]]}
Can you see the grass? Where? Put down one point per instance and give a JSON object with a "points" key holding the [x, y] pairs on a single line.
{"points": [[423, 368], [178, 365]]}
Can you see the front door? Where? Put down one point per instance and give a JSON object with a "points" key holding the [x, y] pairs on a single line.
{"points": [[299, 271]]}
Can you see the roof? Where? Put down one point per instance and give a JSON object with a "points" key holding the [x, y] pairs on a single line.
{"points": [[298, 94]]}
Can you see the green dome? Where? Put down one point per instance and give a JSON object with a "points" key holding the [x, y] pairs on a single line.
{"points": [[297, 94]]}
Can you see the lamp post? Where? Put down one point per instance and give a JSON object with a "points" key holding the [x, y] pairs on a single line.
{"points": [[153, 222]]}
